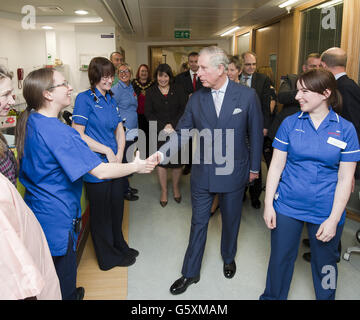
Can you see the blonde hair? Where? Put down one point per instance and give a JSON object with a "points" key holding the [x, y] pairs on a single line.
{"points": [[127, 66]]}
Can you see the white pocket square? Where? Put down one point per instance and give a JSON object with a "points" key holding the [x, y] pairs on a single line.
{"points": [[237, 110]]}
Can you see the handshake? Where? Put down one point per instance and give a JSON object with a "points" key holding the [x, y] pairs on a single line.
{"points": [[147, 165]]}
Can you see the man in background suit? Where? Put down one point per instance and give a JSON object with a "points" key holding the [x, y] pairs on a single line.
{"points": [[288, 91], [117, 59], [261, 83], [334, 60], [190, 82], [221, 110], [190, 79]]}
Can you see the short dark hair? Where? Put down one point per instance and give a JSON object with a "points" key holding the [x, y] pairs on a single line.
{"points": [[237, 61], [193, 54], [164, 68], [99, 67]]}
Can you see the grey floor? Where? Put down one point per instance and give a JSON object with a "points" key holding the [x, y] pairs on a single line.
{"points": [[161, 235]]}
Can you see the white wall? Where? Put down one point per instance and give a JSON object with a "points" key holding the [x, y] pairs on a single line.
{"points": [[22, 50], [88, 42], [27, 49]]}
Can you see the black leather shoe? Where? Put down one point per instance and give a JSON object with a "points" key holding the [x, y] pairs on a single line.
{"points": [[180, 285], [229, 269], [80, 292], [306, 243], [133, 252], [130, 197], [133, 190], [177, 199], [126, 261], [256, 204], [307, 256]]}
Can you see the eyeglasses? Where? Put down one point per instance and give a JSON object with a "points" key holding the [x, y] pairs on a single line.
{"points": [[124, 71], [64, 84]]}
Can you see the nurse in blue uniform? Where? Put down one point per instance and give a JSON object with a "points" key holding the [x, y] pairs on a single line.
{"points": [[53, 159], [127, 105], [96, 118], [309, 181]]}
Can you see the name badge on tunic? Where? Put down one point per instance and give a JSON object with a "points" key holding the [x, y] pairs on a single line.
{"points": [[337, 143]]}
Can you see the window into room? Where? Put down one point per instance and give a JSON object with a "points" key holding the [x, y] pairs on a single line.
{"points": [[320, 28]]}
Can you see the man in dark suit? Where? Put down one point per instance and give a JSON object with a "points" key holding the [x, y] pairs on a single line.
{"points": [[190, 79], [223, 114], [190, 82], [261, 83]]}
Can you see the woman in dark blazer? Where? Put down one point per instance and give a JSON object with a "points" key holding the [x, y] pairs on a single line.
{"points": [[165, 103]]}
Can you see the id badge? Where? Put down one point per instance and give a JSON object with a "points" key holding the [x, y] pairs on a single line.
{"points": [[337, 143]]}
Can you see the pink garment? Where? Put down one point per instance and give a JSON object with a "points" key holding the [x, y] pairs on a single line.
{"points": [[26, 265]]}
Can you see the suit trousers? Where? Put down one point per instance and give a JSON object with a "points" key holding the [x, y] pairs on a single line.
{"points": [[106, 201], [285, 240], [230, 207]]}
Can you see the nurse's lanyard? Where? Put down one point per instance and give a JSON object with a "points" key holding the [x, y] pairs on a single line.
{"points": [[96, 99]]}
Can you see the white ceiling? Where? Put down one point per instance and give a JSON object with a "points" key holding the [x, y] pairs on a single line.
{"points": [[150, 20]]}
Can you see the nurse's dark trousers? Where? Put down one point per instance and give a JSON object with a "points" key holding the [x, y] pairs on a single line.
{"points": [[106, 200], [285, 240], [65, 267], [230, 206]]}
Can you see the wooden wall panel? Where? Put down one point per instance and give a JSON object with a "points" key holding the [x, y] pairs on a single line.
{"points": [[350, 40], [286, 48], [266, 43]]}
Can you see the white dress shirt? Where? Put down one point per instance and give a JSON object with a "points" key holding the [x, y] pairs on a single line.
{"points": [[218, 96]]}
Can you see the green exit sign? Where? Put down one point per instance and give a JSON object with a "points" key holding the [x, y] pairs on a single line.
{"points": [[182, 34]]}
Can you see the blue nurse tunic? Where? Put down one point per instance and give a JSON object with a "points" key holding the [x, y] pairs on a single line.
{"points": [[307, 186], [54, 161], [127, 105], [99, 116]]}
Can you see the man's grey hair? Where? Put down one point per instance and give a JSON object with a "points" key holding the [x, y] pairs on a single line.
{"points": [[217, 55]]}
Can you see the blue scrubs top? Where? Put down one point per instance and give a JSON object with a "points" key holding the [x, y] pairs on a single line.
{"points": [[100, 119], [55, 158], [127, 104], [307, 186]]}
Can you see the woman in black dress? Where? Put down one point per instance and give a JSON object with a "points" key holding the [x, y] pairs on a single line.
{"points": [[165, 103]]}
